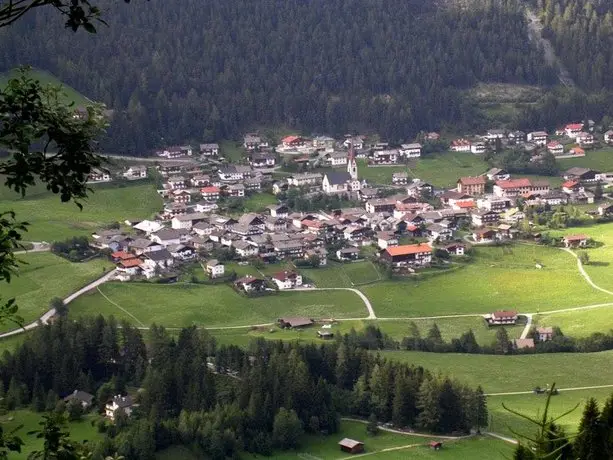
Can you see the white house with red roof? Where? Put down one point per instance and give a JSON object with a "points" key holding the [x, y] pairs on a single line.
{"points": [[555, 148], [287, 279], [292, 142], [460, 145], [408, 254], [572, 129], [575, 241]]}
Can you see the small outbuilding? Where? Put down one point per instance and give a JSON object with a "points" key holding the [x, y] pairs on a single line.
{"points": [[351, 446], [436, 445], [325, 335], [295, 322]]}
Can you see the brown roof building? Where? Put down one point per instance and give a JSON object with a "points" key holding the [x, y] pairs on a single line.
{"points": [[351, 446], [471, 185]]}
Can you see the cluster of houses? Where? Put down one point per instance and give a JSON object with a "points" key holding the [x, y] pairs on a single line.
{"points": [[99, 175], [510, 318], [117, 404]]}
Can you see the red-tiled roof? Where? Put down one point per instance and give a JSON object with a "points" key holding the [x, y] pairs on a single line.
{"points": [[411, 227], [570, 184], [472, 180], [407, 249], [290, 139], [466, 204], [130, 263], [123, 255], [578, 237], [577, 151], [282, 276], [574, 126], [504, 314], [514, 183], [554, 144], [209, 190]]}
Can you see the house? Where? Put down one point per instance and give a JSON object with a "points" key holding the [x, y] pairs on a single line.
{"points": [[582, 174], [484, 217], [408, 254], [608, 136], [512, 187], [234, 172], [496, 174], [501, 317], [432, 136], [572, 186], [253, 183], [201, 180], [437, 232], [245, 249], [98, 175], [161, 259], [585, 139], [410, 150], [460, 145], [544, 333], [176, 151], [605, 210], [177, 182], [553, 198], [471, 185], [287, 280], [572, 129], [168, 236], [82, 397], [400, 178], [291, 142], [517, 137], [319, 253], [181, 251], [386, 240], [381, 205], [478, 148], [323, 142], [436, 445], [187, 220], [235, 190], [262, 160], [215, 269], [351, 446], [485, 235], [148, 226], [345, 254], [278, 210], [300, 180], [181, 196], [143, 246], [325, 335], [494, 203], [493, 134], [253, 142], [118, 404], [209, 149], [336, 159], [336, 181], [456, 249], [521, 344], [538, 137], [250, 284], [294, 322], [575, 241], [289, 248], [136, 172], [385, 157], [555, 148]]}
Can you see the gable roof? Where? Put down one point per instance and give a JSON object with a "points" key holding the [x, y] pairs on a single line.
{"points": [[337, 177], [160, 255], [513, 183], [480, 180], [408, 249]]}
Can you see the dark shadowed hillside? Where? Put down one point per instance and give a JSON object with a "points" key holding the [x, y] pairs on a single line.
{"points": [[201, 70]]}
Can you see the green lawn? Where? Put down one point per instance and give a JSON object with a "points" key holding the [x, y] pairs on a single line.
{"points": [[258, 202], [331, 275], [79, 431], [499, 374], [45, 276], [69, 94], [52, 220], [212, 306], [579, 323], [600, 160], [478, 448], [231, 150], [497, 278], [361, 272]]}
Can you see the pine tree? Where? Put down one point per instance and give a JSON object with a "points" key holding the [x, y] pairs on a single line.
{"points": [[372, 428], [14, 397], [428, 405], [287, 429], [590, 443], [502, 345], [606, 421], [481, 419]]}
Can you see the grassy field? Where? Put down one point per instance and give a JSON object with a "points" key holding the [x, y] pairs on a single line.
{"points": [[498, 278], [69, 94], [45, 276], [212, 306], [258, 202], [53, 220], [579, 323], [498, 374], [79, 431], [233, 151], [600, 160]]}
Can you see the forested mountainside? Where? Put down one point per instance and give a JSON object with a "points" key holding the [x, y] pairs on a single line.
{"points": [[581, 32], [203, 70]]}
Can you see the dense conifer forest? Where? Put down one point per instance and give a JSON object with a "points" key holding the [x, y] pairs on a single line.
{"points": [[203, 70]]}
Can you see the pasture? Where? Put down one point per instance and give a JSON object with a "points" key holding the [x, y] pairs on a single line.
{"points": [[497, 278], [512, 373], [579, 323], [44, 276], [183, 305], [599, 159], [52, 220], [69, 94]]}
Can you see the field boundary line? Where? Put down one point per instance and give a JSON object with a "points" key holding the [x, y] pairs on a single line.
{"points": [[513, 393], [407, 433], [371, 311], [120, 307]]}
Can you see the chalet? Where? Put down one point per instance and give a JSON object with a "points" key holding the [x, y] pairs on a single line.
{"points": [[171, 168], [136, 172], [400, 178], [460, 145], [471, 185], [577, 152], [582, 174], [367, 193], [336, 159], [275, 224], [292, 142], [553, 198], [517, 137], [118, 404], [575, 241], [408, 254], [177, 182], [386, 240], [253, 142], [320, 253], [187, 220], [346, 254], [323, 142], [572, 186], [201, 180], [234, 173], [585, 139], [168, 236], [143, 246], [262, 160], [250, 284], [555, 148], [253, 183], [380, 146], [291, 248], [215, 269], [485, 235], [157, 259], [299, 180], [512, 187], [544, 333], [608, 137], [432, 136], [456, 249], [245, 249], [235, 190], [605, 210], [354, 141], [278, 210], [81, 397], [496, 174], [438, 232], [493, 134], [381, 205], [502, 317], [287, 280], [291, 322], [493, 203], [573, 129], [385, 157], [325, 335], [484, 217], [538, 137], [252, 220], [418, 188], [176, 151], [174, 209], [410, 150], [129, 267], [478, 147], [209, 149], [351, 446], [181, 196], [98, 175], [182, 251]]}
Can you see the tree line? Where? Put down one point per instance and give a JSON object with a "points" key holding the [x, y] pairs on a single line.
{"points": [[224, 400]]}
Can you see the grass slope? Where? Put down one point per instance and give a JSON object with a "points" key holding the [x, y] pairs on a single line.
{"points": [[497, 278], [45, 276], [52, 220], [70, 95], [213, 306], [600, 160]]}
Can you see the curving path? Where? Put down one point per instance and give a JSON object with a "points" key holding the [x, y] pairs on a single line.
{"points": [[584, 273], [371, 311]]}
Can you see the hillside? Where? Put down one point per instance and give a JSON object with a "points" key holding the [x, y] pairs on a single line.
{"points": [[189, 70]]}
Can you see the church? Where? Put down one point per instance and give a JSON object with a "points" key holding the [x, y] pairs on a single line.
{"points": [[343, 181]]}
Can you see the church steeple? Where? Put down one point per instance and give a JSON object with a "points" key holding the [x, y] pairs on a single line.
{"points": [[352, 167]]}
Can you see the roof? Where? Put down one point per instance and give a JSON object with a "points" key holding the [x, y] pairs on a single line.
{"points": [[290, 139], [284, 275], [579, 237], [577, 150], [350, 443], [123, 401], [472, 180], [142, 243], [123, 255], [524, 343], [209, 190], [338, 177], [157, 256], [577, 171], [80, 396], [554, 144], [514, 183], [465, 204], [570, 183], [349, 250], [170, 233], [247, 279], [213, 263], [130, 263], [504, 314], [407, 249], [296, 321], [544, 330], [574, 126]]}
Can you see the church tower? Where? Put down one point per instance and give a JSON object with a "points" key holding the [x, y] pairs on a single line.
{"points": [[352, 167]]}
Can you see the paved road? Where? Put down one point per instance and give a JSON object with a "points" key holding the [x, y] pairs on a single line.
{"points": [[49, 314], [526, 330], [371, 311]]}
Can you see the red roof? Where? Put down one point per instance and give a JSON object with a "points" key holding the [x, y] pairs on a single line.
{"points": [[130, 263], [465, 204], [290, 139], [472, 180], [407, 249], [411, 227], [514, 183], [123, 255], [574, 126], [209, 190], [579, 237], [554, 144], [282, 276], [505, 314], [577, 151], [459, 142], [570, 184]]}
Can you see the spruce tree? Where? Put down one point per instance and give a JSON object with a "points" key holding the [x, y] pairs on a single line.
{"points": [[428, 405], [502, 345], [589, 443], [606, 421]]}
